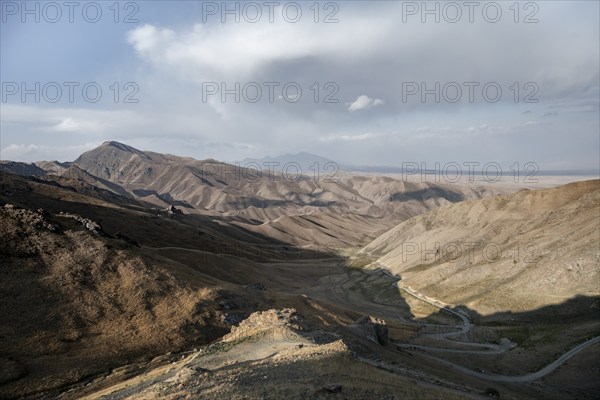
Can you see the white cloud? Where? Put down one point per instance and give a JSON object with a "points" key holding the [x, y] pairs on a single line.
{"points": [[173, 57], [358, 137], [210, 51], [70, 120], [363, 102], [79, 126], [32, 152], [148, 38], [485, 128], [348, 138]]}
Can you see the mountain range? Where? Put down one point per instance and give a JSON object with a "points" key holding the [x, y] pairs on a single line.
{"points": [[385, 287], [288, 206]]}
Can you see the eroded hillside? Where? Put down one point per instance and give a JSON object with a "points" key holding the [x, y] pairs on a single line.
{"points": [[505, 253]]}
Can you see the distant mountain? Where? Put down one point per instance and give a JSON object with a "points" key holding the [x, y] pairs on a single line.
{"points": [[309, 164], [317, 205], [54, 167], [21, 168], [225, 188], [373, 169]]}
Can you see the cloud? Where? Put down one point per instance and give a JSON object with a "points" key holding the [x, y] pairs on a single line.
{"points": [[488, 129], [363, 102], [480, 128], [32, 152], [173, 54], [348, 138], [79, 126], [577, 105], [70, 120], [243, 49], [369, 136], [550, 114], [147, 38]]}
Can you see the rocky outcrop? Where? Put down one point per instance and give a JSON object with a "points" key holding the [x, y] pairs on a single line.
{"points": [[233, 318], [34, 219], [169, 212], [371, 328], [267, 320], [87, 223], [172, 211]]}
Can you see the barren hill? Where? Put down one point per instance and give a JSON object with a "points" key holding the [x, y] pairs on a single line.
{"points": [[74, 303], [504, 253], [339, 209], [265, 200], [263, 193]]}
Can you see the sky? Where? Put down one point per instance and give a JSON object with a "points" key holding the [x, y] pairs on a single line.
{"points": [[363, 83]]}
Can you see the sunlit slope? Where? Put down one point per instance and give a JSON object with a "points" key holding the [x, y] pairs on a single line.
{"points": [[513, 252], [212, 186]]}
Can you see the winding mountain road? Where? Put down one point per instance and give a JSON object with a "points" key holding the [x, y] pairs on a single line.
{"points": [[527, 377], [492, 348], [466, 324]]}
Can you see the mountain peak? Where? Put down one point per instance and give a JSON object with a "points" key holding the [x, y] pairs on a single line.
{"points": [[120, 146], [108, 150]]}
